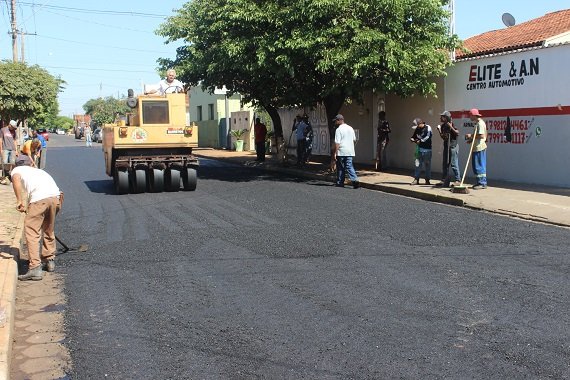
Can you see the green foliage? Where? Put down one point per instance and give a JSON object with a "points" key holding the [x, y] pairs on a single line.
{"points": [[298, 53], [238, 133], [63, 122], [28, 93], [105, 110]]}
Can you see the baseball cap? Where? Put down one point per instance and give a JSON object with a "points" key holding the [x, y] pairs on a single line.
{"points": [[446, 114], [13, 123], [23, 160], [417, 121], [474, 112], [338, 117]]}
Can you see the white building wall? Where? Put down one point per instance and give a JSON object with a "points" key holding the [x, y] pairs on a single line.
{"points": [[528, 89]]}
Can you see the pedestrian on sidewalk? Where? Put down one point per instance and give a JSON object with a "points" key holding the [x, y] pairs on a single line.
{"points": [[449, 134], [8, 150], [344, 152], [42, 155], [382, 141], [479, 154], [260, 132], [88, 136], [309, 135], [422, 139], [299, 129], [44, 203]]}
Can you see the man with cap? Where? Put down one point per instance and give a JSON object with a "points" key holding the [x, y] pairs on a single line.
{"points": [[300, 128], [479, 154], [44, 203], [8, 150], [344, 139], [449, 134], [422, 139]]}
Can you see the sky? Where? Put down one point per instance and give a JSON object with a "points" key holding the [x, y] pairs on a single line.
{"points": [[103, 48]]}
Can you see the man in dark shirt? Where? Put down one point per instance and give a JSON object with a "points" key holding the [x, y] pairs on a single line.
{"points": [[382, 141], [260, 131], [449, 134], [422, 138]]}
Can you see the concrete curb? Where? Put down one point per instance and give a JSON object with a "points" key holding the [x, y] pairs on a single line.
{"points": [[411, 192], [372, 186], [9, 275]]}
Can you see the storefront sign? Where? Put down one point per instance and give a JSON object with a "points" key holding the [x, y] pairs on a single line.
{"points": [[494, 75]]}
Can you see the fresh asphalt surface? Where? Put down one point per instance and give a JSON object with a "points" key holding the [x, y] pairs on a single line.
{"points": [[262, 276]]}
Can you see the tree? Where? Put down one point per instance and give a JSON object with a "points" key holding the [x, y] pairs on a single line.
{"points": [[104, 110], [63, 122], [27, 92], [284, 54]]}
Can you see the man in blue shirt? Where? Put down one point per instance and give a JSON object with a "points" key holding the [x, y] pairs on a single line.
{"points": [[41, 164]]}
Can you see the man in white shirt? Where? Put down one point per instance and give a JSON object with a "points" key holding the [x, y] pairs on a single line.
{"points": [[344, 139], [44, 203], [168, 85]]}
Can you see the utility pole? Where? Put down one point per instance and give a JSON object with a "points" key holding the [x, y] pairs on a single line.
{"points": [[22, 50], [14, 33], [452, 23]]}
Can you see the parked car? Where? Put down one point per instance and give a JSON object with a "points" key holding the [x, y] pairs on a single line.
{"points": [[60, 131], [44, 133], [97, 135]]}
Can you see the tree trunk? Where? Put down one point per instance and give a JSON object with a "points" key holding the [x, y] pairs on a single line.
{"points": [[276, 119], [278, 131], [333, 103]]}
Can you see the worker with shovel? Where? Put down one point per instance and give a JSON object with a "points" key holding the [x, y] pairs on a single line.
{"points": [[44, 204], [479, 151]]}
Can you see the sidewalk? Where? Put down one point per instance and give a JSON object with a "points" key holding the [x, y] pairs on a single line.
{"points": [[11, 227], [537, 203]]}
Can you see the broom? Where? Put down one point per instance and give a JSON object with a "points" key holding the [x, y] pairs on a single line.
{"points": [[462, 189]]}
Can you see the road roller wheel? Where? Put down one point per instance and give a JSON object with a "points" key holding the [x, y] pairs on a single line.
{"points": [[156, 180], [189, 179], [138, 180], [172, 179], [121, 180]]}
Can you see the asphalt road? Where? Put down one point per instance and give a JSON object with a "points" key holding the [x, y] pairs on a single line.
{"points": [[262, 276]]}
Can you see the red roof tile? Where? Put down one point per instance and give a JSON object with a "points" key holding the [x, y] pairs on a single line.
{"points": [[527, 34]]}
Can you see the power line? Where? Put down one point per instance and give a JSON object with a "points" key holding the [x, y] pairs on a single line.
{"points": [[105, 46], [91, 69], [99, 23], [96, 11]]}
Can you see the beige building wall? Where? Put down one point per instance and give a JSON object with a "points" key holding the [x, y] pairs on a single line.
{"points": [[400, 112], [208, 111]]}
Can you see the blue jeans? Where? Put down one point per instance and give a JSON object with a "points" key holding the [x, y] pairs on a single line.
{"points": [[88, 140], [8, 156], [424, 160], [344, 166], [479, 164], [455, 162]]}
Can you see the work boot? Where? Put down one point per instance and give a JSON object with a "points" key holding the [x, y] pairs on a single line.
{"points": [[428, 182], [34, 274], [48, 266], [355, 184]]}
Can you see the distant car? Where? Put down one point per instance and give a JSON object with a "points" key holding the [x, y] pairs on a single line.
{"points": [[60, 131], [97, 135], [44, 133]]}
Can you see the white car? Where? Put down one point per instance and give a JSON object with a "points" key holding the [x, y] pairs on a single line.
{"points": [[60, 131]]}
